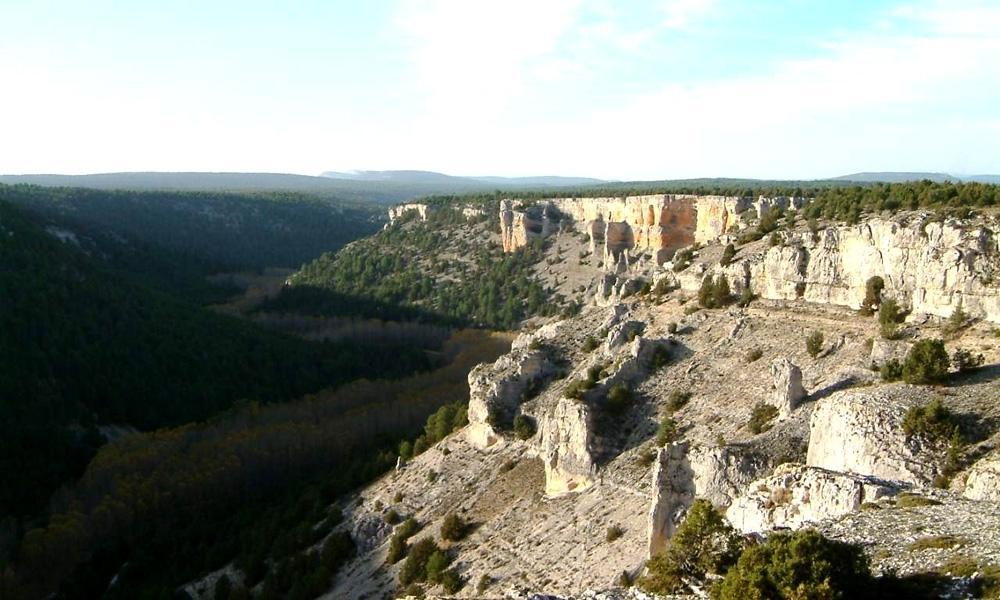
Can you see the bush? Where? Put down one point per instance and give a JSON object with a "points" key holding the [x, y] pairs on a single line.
{"points": [[453, 528], [409, 527], [397, 549], [814, 343], [619, 398], [414, 589], [391, 517], [614, 532], [508, 465], [889, 316], [667, 432], [956, 321], [682, 259], [672, 328], [451, 581], [437, 562], [704, 544], [524, 427], [714, 293], [776, 239], [677, 399], [727, 255], [892, 370], [485, 581], [873, 294], [753, 355], [761, 417], [933, 421], [926, 362], [590, 344], [661, 358], [803, 564], [964, 360], [746, 297], [432, 476], [415, 567]]}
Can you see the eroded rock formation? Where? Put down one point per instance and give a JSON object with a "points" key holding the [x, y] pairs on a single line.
{"points": [[795, 495], [496, 390], [983, 479], [396, 212], [565, 434], [788, 391], [861, 432]]}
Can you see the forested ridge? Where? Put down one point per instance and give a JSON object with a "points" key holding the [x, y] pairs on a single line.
{"points": [[218, 230], [447, 268], [251, 484], [82, 344]]}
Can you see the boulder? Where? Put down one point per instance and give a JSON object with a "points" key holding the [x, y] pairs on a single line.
{"points": [[983, 479], [565, 436], [788, 391], [795, 495], [861, 432]]}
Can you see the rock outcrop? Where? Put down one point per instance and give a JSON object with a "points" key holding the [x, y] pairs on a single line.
{"points": [[931, 267], [983, 479], [682, 473], [396, 212], [496, 390], [861, 432], [788, 391], [795, 495], [565, 434]]}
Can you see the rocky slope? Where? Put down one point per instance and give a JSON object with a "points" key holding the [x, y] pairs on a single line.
{"points": [[834, 451]]}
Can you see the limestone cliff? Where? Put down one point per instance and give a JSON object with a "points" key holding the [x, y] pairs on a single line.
{"points": [[396, 212]]}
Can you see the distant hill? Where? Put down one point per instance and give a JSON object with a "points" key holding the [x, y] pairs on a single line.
{"points": [[473, 183], [995, 179], [895, 177]]}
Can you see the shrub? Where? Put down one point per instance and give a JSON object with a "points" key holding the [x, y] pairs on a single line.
{"points": [[508, 465], [964, 360], [646, 458], [803, 564], [409, 527], [889, 316], [391, 517], [677, 399], [814, 343], [451, 581], [625, 579], [761, 417], [432, 476], [682, 259], [704, 544], [908, 500], [714, 293], [524, 427], [414, 589], [453, 528], [776, 239], [397, 549], [614, 532], [405, 450], [753, 355], [437, 562], [956, 321], [873, 293], [662, 287], [926, 362], [485, 581], [892, 370], [672, 328], [660, 359], [933, 421], [746, 297], [667, 432], [415, 567], [935, 542], [590, 344], [619, 398], [727, 255]]}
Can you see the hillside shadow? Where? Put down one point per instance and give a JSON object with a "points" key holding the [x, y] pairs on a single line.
{"points": [[983, 374], [620, 432]]}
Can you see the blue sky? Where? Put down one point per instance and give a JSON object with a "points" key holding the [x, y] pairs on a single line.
{"points": [[612, 89]]}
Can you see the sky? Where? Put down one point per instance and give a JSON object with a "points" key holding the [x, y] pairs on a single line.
{"points": [[615, 89]]}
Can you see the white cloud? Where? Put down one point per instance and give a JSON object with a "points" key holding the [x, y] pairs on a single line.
{"points": [[678, 14], [470, 57]]}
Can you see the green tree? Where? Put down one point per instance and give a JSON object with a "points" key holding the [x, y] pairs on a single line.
{"points": [[926, 363]]}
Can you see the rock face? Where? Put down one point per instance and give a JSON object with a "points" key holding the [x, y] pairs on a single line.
{"points": [[983, 480], [788, 390], [566, 447], [796, 495], [862, 433], [395, 212], [496, 390], [929, 266], [681, 474]]}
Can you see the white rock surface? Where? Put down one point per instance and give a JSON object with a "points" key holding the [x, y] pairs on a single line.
{"points": [[796, 495], [861, 432], [788, 390], [983, 479]]}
